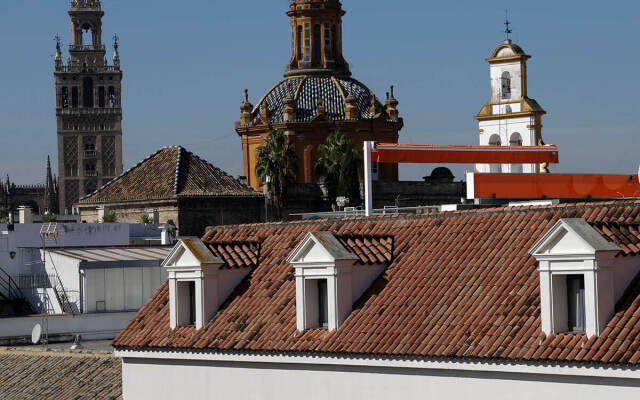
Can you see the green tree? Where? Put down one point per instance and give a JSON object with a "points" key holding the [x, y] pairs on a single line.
{"points": [[110, 218], [146, 219], [277, 166], [339, 163], [46, 218]]}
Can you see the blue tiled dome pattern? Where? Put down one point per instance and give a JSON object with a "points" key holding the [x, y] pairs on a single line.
{"points": [[307, 91]]}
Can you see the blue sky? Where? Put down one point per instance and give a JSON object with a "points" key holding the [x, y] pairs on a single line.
{"points": [[186, 65]]}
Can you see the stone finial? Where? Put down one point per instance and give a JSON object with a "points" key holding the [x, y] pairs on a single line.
{"points": [[373, 110], [246, 108], [391, 105], [351, 110], [289, 113]]}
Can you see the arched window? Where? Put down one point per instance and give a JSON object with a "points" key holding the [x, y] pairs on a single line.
{"points": [[300, 43], [506, 85], [101, 97], [87, 93], [87, 35], [327, 41], [65, 97], [112, 97], [317, 44], [74, 97], [516, 140], [494, 140]]}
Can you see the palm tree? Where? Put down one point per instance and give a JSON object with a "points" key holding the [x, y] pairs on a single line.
{"points": [[277, 166], [339, 163]]}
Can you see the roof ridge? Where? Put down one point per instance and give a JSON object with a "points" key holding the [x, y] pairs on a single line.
{"points": [[177, 174], [125, 172], [218, 169]]}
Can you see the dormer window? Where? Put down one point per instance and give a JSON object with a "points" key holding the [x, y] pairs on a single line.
{"points": [[578, 273], [202, 277], [331, 276]]}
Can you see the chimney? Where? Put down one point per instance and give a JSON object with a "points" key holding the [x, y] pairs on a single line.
{"points": [[25, 215], [102, 211], [154, 216], [167, 234]]}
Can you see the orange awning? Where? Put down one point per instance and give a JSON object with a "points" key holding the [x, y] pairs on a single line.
{"points": [[447, 154], [553, 186]]}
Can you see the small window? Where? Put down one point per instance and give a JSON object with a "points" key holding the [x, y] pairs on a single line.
{"points": [[186, 300], [506, 85], [575, 303], [323, 305], [192, 303]]}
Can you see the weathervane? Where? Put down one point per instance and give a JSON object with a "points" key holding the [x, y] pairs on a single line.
{"points": [[507, 24], [115, 40]]}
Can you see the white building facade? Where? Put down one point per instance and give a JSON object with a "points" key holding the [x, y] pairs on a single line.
{"points": [[510, 117]]}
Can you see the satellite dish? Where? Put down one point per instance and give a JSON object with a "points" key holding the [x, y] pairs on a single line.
{"points": [[36, 334]]}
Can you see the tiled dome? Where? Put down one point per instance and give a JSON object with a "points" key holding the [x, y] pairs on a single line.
{"points": [[307, 89]]}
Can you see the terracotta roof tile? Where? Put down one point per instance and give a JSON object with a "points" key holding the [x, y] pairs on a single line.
{"points": [[36, 374], [458, 285]]}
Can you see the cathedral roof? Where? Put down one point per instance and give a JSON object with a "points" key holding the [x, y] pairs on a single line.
{"points": [[169, 173], [306, 90]]}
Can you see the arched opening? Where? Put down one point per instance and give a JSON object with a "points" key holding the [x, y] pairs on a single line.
{"points": [[300, 43], [87, 93], [74, 97], [317, 44], [334, 41], [101, 97], [111, 97], [516, 140], [87, 35], [494, 140], [506, 85], [328, 52], [65, 97]]}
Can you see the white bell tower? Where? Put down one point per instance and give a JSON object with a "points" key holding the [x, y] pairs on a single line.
{"points": [[510, 118]]}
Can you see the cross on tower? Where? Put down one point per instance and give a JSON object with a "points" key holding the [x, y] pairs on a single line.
{"points": [[507, 24], [116, 38]]}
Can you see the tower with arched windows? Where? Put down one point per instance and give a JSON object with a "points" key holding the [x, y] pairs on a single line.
{"points": [[318, 96], [88, 107], [510, 117]]}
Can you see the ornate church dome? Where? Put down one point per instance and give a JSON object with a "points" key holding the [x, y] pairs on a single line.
{"points": [[334, 94]]}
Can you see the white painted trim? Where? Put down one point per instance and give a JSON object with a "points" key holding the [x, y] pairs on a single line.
{"points": [[541, 368]]}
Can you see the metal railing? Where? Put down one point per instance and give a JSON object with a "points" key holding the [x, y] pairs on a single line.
{"points": [[86, 47], [90, 153], [350, 212], [90, 111], [9, 290], [91, 173]]}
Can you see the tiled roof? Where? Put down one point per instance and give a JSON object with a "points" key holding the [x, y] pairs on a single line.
{"points": [[307, 89], [38, 374], [237, 254], [626, 236], [460, 285], [169, 173], [369, 249]]}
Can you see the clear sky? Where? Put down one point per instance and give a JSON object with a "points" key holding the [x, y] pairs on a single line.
{"points": [[186, 64]]}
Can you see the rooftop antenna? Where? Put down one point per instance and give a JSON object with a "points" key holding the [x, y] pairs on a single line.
{"points": [[507, 24]]}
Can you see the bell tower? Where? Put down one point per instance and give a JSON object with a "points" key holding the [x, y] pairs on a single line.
{"points": [[510, 117], [88, 107], [316, 38]]}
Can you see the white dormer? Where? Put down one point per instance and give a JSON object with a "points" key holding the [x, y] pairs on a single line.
{"points": [[197, 285], [580, 278], [329, 280]]}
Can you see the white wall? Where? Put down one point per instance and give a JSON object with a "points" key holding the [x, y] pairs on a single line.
{"points": [[90, 326], [504, 128], [189, 379]]}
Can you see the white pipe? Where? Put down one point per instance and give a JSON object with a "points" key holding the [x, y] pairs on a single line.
{"points": [[368, 197]]}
